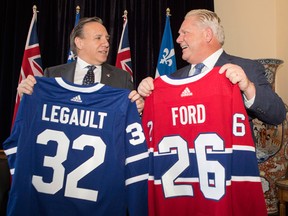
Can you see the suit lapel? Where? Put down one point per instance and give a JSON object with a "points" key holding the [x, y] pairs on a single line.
{"points": [[106, 75], [224, 59], [182, 72], [69, 71]]}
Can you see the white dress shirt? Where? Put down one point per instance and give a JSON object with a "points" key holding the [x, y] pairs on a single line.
{"points": [[209, 65], [81, 70]]}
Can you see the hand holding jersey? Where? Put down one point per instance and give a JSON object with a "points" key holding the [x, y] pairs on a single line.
{"points": [[82, 151], [26, 87], [89, 52], [237, 76], [199, 169], [202, 153], [233, 72]]}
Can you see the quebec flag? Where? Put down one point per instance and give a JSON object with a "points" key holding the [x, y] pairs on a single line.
{"points": [[166, 60], [71, 55]]}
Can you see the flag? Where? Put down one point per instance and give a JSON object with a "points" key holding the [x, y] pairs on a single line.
{"points": [[166, 61], [123, 59], [71, 55], [31, 62]]}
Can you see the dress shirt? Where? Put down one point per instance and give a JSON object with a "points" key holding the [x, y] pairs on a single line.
{"points": [[209, 65], [81, 70]]}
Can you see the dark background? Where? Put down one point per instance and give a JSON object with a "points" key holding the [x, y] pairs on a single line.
{"points": [[146, 21]]}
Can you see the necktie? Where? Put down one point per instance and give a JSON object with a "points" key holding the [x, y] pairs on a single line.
{"points": [[198, 68], [89, 77]]}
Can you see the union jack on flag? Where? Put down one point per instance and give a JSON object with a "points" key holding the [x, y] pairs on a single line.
{"points": [[123, 59], [31, 62]]}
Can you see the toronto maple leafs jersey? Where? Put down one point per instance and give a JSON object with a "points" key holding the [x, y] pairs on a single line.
{"points": [[202, 155], [77, 150]]}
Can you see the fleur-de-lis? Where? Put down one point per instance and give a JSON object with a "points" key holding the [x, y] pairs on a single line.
{"points": [[71, 56], [167, 57]]}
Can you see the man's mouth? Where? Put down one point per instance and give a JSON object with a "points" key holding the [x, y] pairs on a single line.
{"points": [[104, 52], [184, 47]]}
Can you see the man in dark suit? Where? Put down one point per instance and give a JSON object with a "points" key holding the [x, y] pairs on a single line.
{"points": [[201, 37], [90, 41], [110, 75]]}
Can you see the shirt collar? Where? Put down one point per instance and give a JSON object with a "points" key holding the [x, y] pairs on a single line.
{"points": [[83, 64], [212, 59], [208, 62]]}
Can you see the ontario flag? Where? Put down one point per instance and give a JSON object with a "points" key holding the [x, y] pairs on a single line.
{"points": [[31, 62], [123, 59], [166, 60], [71, 54]]}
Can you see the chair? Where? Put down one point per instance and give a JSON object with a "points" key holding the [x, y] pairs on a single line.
{"points": [[282, 185], [4, 182]]}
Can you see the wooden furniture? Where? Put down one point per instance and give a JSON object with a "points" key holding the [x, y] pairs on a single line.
{"points": [[4, 182], [283, 195]]}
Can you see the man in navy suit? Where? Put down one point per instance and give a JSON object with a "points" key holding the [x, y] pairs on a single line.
{"points": [[90, 41], [201, 37]]}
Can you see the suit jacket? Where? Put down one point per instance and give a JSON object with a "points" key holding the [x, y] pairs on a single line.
{"points": [[110, 75], [268, 106]]}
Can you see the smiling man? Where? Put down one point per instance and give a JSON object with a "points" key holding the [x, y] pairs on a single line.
{"points": [[89, 40], [197, 128], [201, 37]]}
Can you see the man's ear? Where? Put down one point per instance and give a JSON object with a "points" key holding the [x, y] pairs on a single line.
{"points": [[209, 34], [78, 42]]}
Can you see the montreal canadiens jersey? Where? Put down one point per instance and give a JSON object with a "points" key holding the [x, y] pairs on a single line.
{"points": [[201, 151], [77, 150]]}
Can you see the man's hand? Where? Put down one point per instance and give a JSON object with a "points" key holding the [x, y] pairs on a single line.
{"points": [[134, 96], [146, 87], [26, 86], [237, 76]]}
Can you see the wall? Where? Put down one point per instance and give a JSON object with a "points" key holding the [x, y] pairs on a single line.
{"points": [[257, 29]]}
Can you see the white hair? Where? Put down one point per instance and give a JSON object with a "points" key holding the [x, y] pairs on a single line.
{"points": [[209, 19]]}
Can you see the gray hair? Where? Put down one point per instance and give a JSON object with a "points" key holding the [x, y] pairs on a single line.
{"points": [[78, 30], [209, 19]]}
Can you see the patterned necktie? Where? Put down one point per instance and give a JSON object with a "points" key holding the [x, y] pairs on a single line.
{"points": [[89, 77], [198, 69]]}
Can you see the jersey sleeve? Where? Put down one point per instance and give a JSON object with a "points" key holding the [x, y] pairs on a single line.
{"points": [[242, 140], [79, 149], [136, 164], [246, 172], [10, 145], [201, 150], [147, 119]]}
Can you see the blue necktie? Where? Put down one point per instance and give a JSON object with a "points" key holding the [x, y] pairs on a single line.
{"points": [[198, 68], [89, 77]]}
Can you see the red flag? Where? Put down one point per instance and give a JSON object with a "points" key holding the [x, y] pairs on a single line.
{"points": [[123, 59], [31, 62]]}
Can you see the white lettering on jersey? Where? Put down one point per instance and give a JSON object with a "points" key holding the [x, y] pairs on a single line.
{"points": [[78, 117], [188, 114]]}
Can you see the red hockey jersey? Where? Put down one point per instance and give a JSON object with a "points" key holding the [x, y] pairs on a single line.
{"points": [[202, 154]]}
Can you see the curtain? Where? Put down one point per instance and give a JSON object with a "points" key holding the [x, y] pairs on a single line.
{"points": [[146, 20]]}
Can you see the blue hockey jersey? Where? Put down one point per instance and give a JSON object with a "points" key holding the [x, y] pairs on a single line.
{"points": [[77, 150]]}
